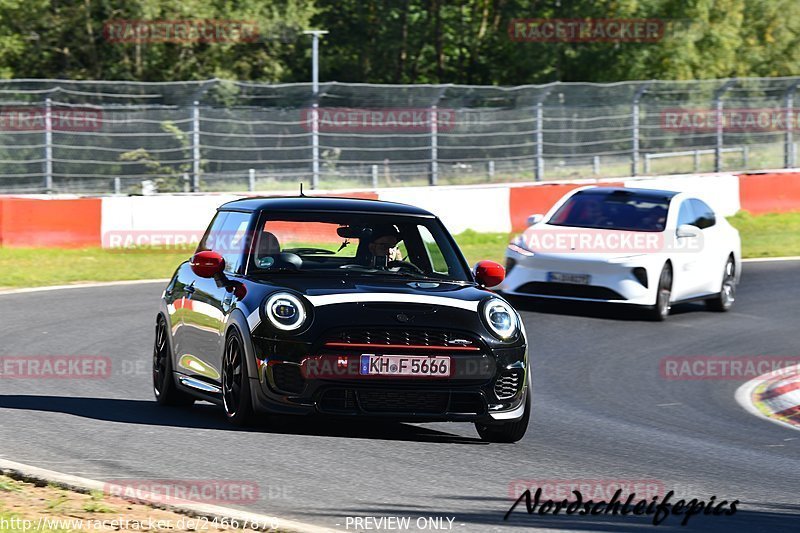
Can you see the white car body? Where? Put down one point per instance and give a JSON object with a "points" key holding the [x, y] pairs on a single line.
{"points": [[698, 263]]}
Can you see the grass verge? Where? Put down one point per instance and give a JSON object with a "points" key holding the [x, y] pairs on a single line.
{"points": [[769, 235], [50, 509]]}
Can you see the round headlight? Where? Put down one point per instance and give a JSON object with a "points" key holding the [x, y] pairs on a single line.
{"points": [[500, 318], [285, 311]]}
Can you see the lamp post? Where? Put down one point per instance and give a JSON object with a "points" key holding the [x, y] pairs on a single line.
{"points": [[315, 105]]}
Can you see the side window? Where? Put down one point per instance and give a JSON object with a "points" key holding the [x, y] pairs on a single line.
{"points": [[213, 231], [233, 240], [704, 215], [227, 236], [438, 262], [686, 214]]}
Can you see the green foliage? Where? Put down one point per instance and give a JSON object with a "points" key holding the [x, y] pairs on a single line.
{"points": [[168, 178], [44, 39], [402, 41]]}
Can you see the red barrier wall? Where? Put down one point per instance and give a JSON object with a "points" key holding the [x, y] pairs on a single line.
{"points": [[770, 193], [61, 223]]}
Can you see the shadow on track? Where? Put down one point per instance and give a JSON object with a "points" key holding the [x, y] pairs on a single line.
{"points": [[205, 416], [596, 309]]}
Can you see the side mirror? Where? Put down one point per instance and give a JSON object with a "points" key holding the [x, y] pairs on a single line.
{"points": [[687, 230], [489, 274], [535, 219], [207, 264]]}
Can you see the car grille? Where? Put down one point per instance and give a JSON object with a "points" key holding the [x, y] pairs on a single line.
{"points": [[400, 338], [288, 378], [378, 401], [570, 290], [508, 384], [401, 402]]}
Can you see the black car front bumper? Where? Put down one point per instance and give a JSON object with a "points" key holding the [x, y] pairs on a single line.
{"points": [[486, 385]]}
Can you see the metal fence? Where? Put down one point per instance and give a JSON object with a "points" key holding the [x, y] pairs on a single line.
{"points": [[216, 135]]}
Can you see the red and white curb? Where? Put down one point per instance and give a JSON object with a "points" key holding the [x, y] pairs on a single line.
{"points": [[774, 396], [197, 510]]}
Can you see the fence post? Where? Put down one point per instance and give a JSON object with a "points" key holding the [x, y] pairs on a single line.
{"points": [[646, 164], [637, 96], [315, 144], [491, 170], [196, 146], [696, 160], [434, 178], [596, 165], [374, 176], [788, 152], [746, 156], [48, 145], [718, 111], [539, 169], [117, 185], [251, 180]]}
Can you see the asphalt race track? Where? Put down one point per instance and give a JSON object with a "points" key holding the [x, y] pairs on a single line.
{"points": [[601, 412]]}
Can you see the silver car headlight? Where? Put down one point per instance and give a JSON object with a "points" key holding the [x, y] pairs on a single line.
{"points": [[285, 311], [500, 318], [519, 245]]}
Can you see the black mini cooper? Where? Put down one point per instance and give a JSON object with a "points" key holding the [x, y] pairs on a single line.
{"points": [[343, 307]]}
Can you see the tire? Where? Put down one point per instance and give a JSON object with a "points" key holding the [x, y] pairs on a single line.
{"points": [[164, 388], [507, 432], [725, 298], [660, 311], [236, 398]]}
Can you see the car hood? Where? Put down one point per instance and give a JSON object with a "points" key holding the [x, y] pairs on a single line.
{"points": [[363, 304], [365, 289]]}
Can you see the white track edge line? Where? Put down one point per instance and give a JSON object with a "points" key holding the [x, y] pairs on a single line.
{"points": [[88, 285], [768, 259], [80, 484]]}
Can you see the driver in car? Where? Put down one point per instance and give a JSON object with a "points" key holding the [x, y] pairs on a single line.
{"points": [[383, 245]]}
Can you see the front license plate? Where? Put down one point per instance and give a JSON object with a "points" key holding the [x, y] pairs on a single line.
{"points": [[405, 365], [566, 277]]}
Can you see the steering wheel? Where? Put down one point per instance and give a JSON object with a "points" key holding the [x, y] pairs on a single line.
{"points": [[405, 264]]}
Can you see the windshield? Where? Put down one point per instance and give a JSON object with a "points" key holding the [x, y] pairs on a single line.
{"points": [[355, 244], [619, 210]]}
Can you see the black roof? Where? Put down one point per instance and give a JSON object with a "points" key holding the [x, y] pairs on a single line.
{"points": [[647, 193], [320, 203]]}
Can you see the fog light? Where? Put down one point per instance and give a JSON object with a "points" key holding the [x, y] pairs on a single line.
{"points": [[640, 273], [510, 263]]}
